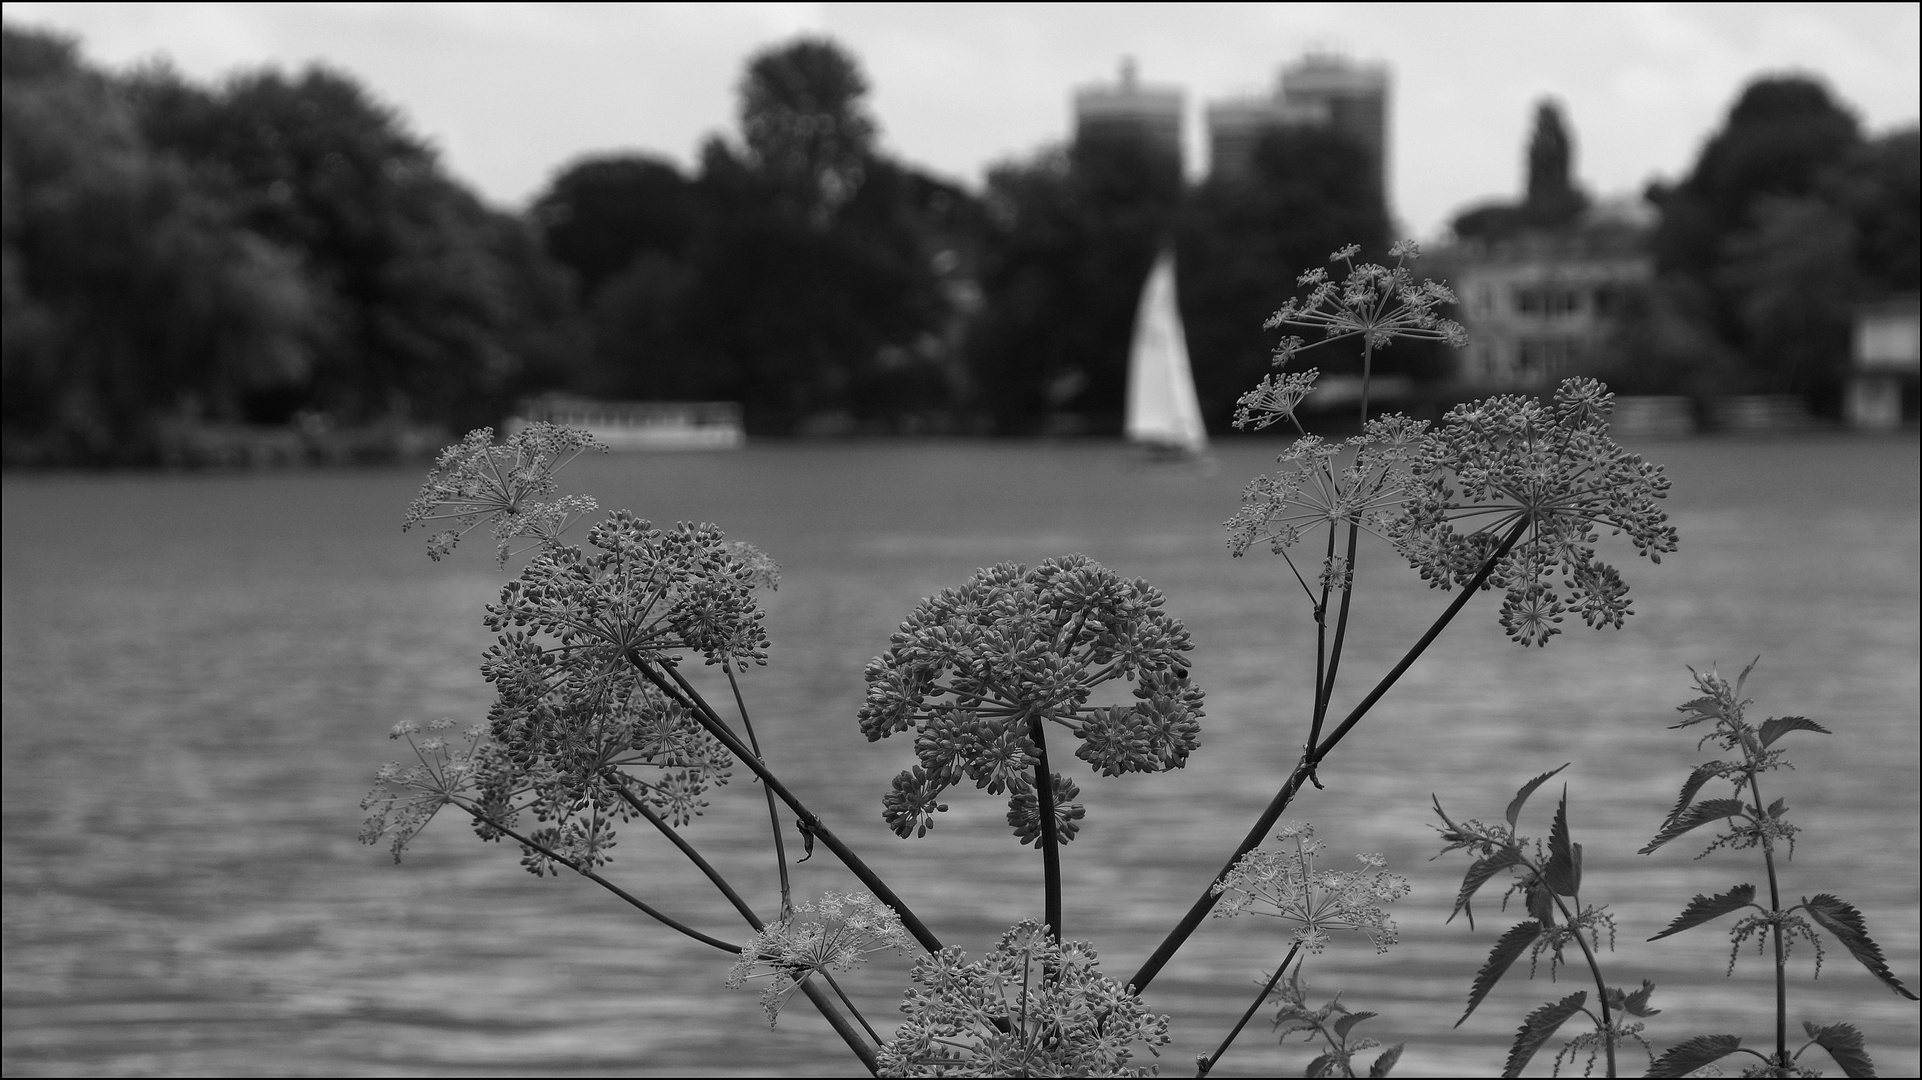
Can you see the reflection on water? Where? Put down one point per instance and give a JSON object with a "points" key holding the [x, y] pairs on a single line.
{"points": [[199, 671]]}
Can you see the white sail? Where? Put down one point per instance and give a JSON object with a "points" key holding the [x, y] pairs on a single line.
{"points": [[1162, 407]]}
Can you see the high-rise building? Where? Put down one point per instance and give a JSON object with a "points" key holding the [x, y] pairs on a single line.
{"points": [[1355, 95], [1320, 90], [1237, 125], [1130, 111]]}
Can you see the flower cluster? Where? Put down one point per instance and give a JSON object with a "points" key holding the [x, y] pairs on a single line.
{"points": [[1378, 304], [1031, 1007], [1546, 468], [406, 796], [638, 591], [844, 930], [976, 672], [511, 485], [1287, 885], [1319, 489]]}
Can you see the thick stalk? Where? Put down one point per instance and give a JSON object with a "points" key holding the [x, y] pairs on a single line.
{"points": [[1207, 1064], [597, 879], [820, 1000], [1050, 838], [1601, 989], [1321, 655], [706, 717], [1341, 634], [773, 812], [1199, 910], [693, 856], [1781, 955]]}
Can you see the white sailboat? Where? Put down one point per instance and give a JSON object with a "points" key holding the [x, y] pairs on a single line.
{"points": [[1163, 411]]}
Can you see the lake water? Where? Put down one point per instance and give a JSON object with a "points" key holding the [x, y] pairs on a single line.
{"points": [[200, 671]]}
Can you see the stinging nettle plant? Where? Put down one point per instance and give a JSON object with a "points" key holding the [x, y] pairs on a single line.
{"points": [[596, 723]]}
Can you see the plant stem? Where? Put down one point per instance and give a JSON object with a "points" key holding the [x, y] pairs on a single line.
{"points": [[773, 812], [597, 879], [694, 857], [706, 717], [821, 1002], [1775, 908], [1208, 1063], [843, 994], [1601, 989], [1199, 910], [1050, 840]]}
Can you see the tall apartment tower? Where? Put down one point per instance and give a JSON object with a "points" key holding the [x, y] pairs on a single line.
{"points": [[1236, 126], [1355, 95], [1130, 111]]}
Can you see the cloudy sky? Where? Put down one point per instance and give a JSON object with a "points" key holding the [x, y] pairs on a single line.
{"points": [[510, 92]]}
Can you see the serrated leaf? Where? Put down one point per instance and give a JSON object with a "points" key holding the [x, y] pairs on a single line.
{"points": [[1511, 945], [1777, 726], [1702, 775], [1704, 908], [1386, 1061], [1539, 901], [1479, 875], [1515, 804], [1844, 1044], [1314, 1067], [1778, 808], [1686, 1057], [1539, 1027], [1564, 871], [1635, 1004], [1347, 1023], [1839, 917], [1702, 813]]}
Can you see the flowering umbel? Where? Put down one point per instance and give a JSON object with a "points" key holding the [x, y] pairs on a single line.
{"points": [[1287, 885], [1549, 469], [1031, 1007], [1378, 304], [837, 933], [971, 668], [511, 486]]}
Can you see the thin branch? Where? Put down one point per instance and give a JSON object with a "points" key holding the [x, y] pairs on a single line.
{"points": [[597, 879], [1207, 1064], [707, 718], [773, 812], [1199, 910]]}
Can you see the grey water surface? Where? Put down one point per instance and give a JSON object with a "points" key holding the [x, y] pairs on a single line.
{"points": [[200, 671]]}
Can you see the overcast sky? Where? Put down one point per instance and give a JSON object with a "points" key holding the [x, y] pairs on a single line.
{"points": [[511, 92]]}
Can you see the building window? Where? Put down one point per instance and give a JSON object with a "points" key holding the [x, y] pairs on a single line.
{"points": [[1547, 302], [1545, 359]]}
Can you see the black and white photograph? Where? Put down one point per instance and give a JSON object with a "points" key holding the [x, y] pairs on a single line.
{"points": [[997, 540]]}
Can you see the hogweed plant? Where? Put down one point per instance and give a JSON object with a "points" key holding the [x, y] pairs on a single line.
{"points": [[1747, 823], [597, 720]]}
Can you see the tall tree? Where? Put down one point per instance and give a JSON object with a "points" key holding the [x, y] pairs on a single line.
{"points": [[1553, 198]]}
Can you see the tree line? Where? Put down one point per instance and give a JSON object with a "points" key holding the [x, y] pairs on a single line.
{"points": [[279, 248]]}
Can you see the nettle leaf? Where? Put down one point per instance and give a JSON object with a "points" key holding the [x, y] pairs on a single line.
{"points": [[1777, 726], [1386, 1061], [1702, 775], [1702, 813], [1539, 1027], [1316, 1066], [1564, 871], [1347, 1023], [1511, 945], [1479, 875], [1844, 1044], [1704, 908], [1515, 805], [1686, 1057], [1635, 1004], [1778, 808], [1839, 917]]}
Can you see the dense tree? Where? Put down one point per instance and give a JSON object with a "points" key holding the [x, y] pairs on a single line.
{"points": [[131, 288], [1245, 241], [1551, 199], [1787, 220]]}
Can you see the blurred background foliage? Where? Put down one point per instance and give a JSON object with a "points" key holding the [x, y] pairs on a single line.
{"points": [[278, 249]]}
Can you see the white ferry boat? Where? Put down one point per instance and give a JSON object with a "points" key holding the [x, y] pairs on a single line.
{"points": [[640, 425]]}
